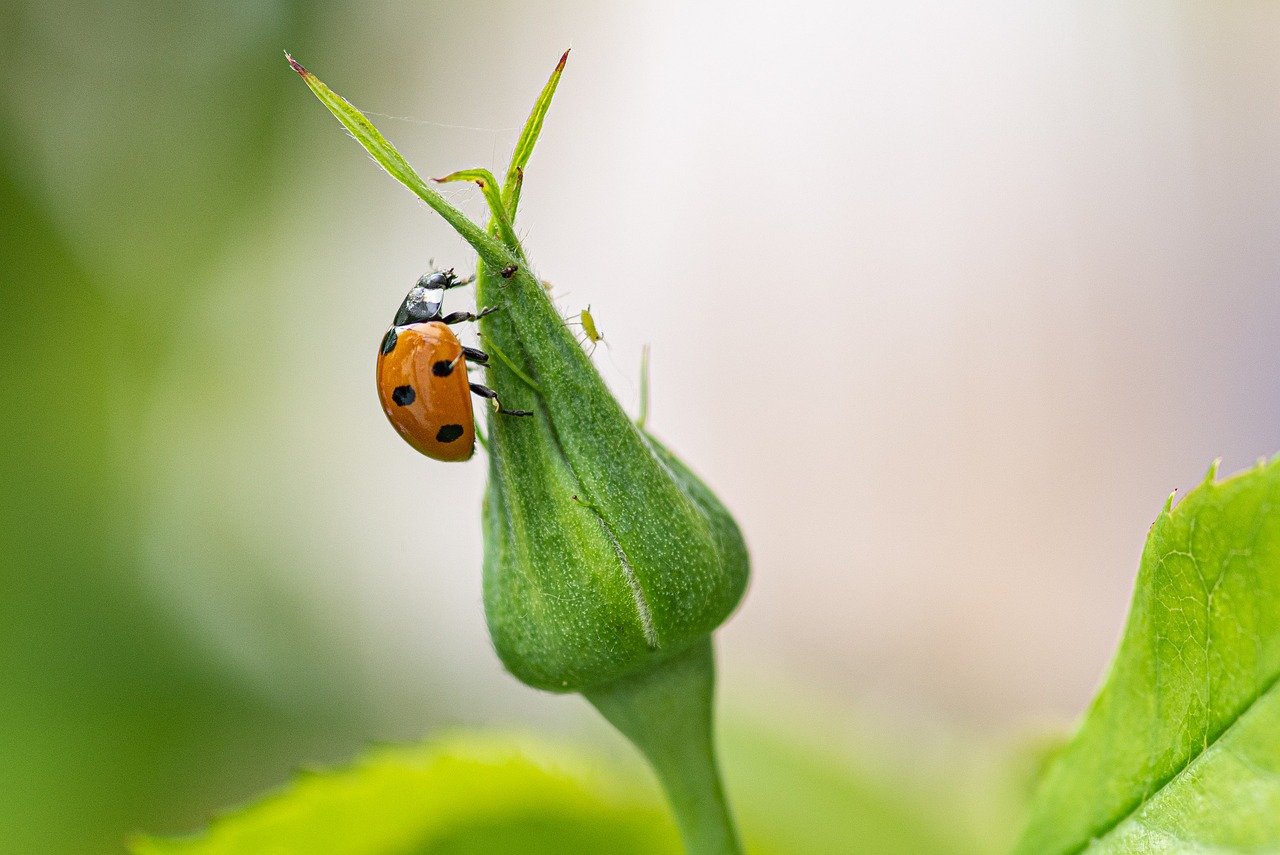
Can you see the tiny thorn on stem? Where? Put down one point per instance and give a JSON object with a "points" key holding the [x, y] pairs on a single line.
{"points": [[296, 66]]}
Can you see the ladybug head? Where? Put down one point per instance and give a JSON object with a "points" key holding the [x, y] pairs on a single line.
{"points": [[424, 299]]}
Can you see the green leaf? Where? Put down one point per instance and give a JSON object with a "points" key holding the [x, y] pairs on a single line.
{"points": [[465, 794], [1181, 749], [528, 138], [385, 155], [488, 185], [487, 276], [805, 783]]}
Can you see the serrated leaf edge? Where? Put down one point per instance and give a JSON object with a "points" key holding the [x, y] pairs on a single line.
{"points": [[1210, 483]]}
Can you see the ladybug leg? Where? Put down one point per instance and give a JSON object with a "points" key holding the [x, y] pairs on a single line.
{"points": [[476, 357], [486, 392], [460, 317]]}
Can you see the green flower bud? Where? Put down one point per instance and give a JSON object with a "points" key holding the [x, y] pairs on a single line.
{"points": [[603, 552]]}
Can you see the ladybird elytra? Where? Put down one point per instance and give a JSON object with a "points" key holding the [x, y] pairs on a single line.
{"points": [[423, 388]]}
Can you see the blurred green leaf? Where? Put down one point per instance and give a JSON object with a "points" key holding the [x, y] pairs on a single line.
{"points": [[149, 188], [805, 782], [118, 197], [105, 703], [464, 794], [1181, 749], [938, 795]]}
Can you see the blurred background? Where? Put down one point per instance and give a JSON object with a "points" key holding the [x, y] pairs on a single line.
{"points": [[943, 300]]}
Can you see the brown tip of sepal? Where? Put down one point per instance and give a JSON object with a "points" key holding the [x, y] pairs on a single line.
{"points": [[296, 66], [458, 176], [564, 57]]}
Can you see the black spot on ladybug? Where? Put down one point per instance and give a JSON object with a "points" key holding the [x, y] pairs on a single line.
{"points": [[389, 340], [442, 368], [403, 395], [448, 433]]}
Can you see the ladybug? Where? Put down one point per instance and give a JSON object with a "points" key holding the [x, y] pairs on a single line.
{"points": [[422, 373]]}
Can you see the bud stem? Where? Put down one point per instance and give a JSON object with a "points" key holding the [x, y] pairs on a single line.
{"points": [[667, 713]]}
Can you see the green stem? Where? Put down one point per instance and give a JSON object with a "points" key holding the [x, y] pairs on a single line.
{"points": [[667, 713]]}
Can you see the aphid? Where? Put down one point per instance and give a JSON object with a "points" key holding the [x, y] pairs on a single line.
{"points": [[590, 332], [422, 373]]}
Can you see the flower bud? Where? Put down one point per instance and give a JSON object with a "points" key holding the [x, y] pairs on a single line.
{"points": [[603, 552], [604, 555]]}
